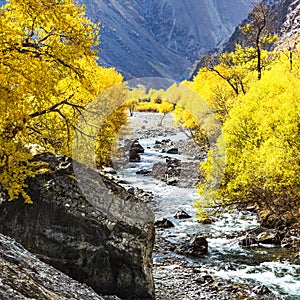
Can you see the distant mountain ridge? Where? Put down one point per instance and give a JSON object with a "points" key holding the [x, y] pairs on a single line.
{"points": [[145, 38], [285, 23]]}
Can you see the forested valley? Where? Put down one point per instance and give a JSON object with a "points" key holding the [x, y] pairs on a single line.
{"points": [[238, 119]]}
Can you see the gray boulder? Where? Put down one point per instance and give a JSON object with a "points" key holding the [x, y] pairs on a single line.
{"points": [[137, 147], [134, 156], [134, 151], [23, 276], [195, 247], [181, 214], [172, 151], [164, 223], [86, 226]]}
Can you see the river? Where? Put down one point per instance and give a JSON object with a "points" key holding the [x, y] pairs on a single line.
{"points": [[263, 265]]}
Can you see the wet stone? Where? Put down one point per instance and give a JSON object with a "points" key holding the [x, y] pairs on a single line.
{"points": [[270, 237], [181, 214], [196, 247], [143, 172], [205, 279], [134, 156], [137, 147], [109, 170], [206, 221], [164, 223], [261, 290], [172, 151], [248, 240]]}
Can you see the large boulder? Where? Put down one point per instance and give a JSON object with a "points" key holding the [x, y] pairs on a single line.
{"points": [[86, 226], [134, 156], [23, 276]]}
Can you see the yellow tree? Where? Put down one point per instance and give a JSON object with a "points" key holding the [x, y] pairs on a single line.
{"points": [[48, 73], [258, 33], [134, 96], [262, 147]]}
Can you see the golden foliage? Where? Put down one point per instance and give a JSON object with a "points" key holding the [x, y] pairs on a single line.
{"points": [[48, 73], [262, 135]]}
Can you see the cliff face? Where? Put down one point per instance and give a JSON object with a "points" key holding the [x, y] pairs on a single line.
{"points": [[289, 12]]}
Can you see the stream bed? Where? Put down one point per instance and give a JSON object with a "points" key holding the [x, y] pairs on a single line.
{"points": [[238, 272]]}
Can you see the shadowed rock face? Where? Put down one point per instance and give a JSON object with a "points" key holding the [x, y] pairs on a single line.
{"points": [[86, 226], [23, 276]]}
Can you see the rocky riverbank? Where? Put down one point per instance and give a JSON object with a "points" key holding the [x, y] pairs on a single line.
{"points": [[177, 275]]}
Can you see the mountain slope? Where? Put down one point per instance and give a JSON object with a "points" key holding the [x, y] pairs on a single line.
{"points": [[290, 28], [144, 38], [285, 23]]}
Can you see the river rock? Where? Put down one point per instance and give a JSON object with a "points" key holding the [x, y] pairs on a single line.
{"points": [[164, 223], [157, 144], [196, 247], [24, 276], [291, 242], [166, 146], [109, 170], [205, 279], [134, 156], [172, 181], [206, 220], [168, 172], [137, 147], [181, 214], [159, 171], [176, 172], [143, 172], [172, 151], [261, 290], [270, 236], [86, 226], [248, 240]]}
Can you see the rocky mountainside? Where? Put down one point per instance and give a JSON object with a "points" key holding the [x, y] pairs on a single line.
{"points": [[285, 23], [289, 10], [163, 38], [285, 16], [151, 38]]}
